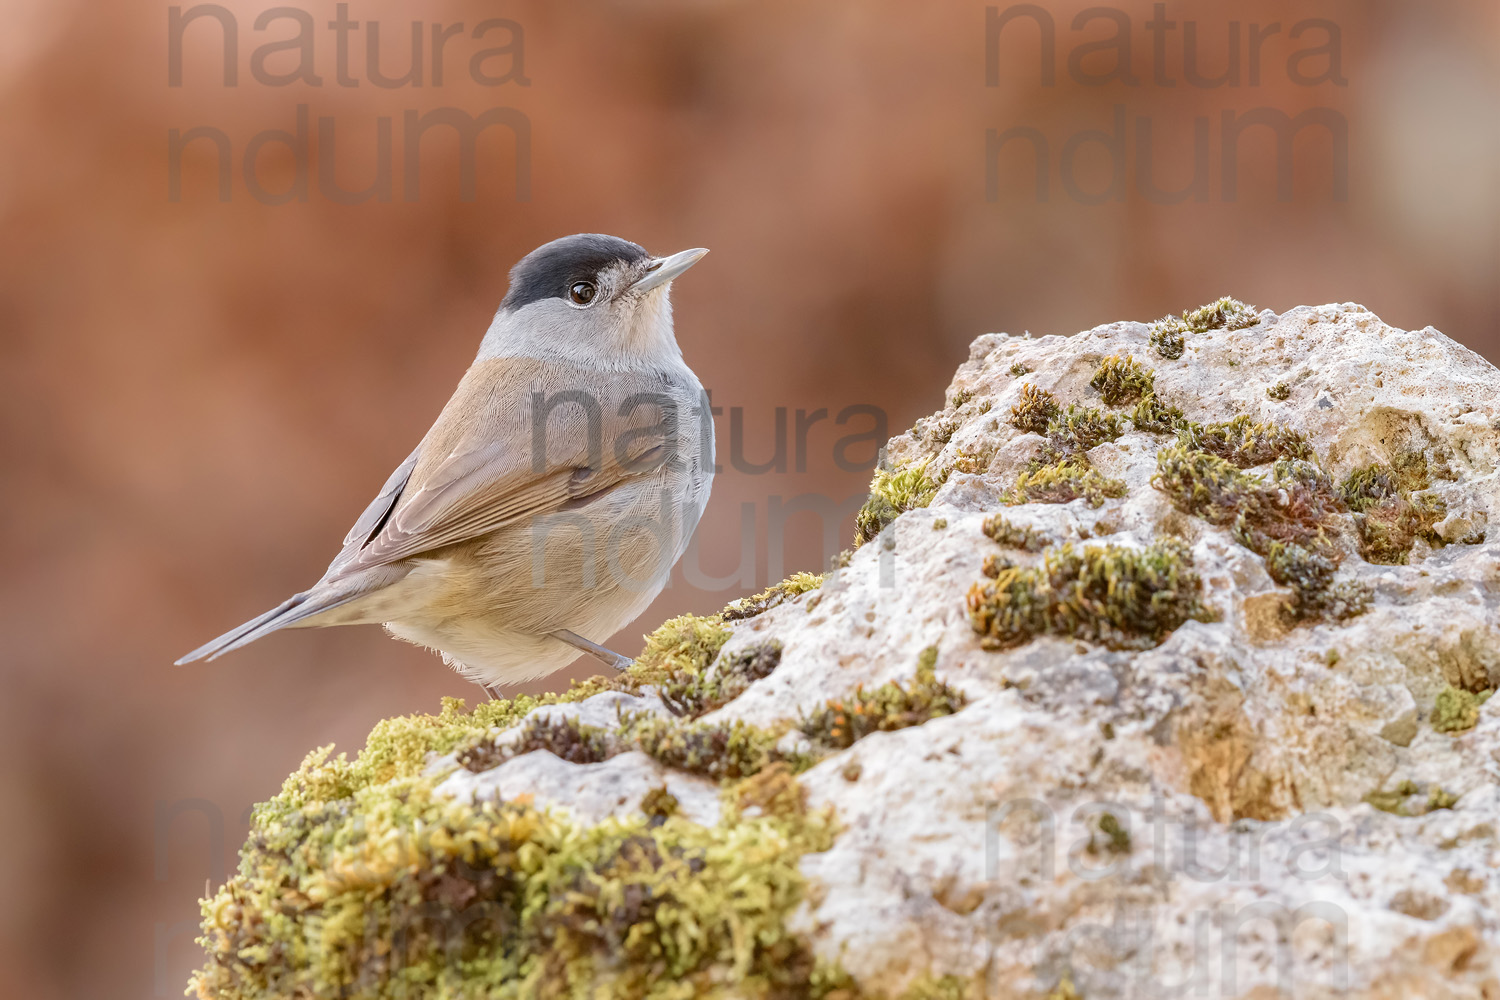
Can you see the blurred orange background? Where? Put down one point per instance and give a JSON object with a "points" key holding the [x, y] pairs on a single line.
{"points": [[199, 395]]}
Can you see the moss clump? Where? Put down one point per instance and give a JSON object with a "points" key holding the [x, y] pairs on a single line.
{"points": [[1123, 380], [1019, 369], [1285, 521], [1063, 481], [893, 492], [1369, 485], [659, 802], [1035, 410], [960, 397], [719, 751], [685, 644], [994, 565], [1204, 485], [1388, 530], [1120, 597], [1244, 442], [1278, 391], [1167, 336], [1155, 417], [1116, 837], [1082, 428], [1310, 574], [1013, 536], [792, 586], [1457, 710], [1407, 799], [973, 460], [1225, 314], [358, 879], [842, 722], [1389, 518], [695, 694]]}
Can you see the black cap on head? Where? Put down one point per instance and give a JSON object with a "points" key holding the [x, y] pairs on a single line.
{"points": [[552, 268]]}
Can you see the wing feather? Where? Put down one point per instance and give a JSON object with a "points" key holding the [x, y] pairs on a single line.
{"points": [[475, 472]]}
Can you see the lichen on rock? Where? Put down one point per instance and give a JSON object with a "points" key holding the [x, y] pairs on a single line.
{"points": [[1193, 683]]}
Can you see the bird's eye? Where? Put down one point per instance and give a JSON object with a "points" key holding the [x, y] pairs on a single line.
{"points": [[582, 292]]}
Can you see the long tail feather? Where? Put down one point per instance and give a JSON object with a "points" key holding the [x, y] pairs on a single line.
{"points": [[288, 612]]}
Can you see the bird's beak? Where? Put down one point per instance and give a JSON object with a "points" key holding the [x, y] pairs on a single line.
{"points": [[664, 269]]}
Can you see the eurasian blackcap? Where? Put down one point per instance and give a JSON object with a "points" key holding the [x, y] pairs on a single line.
{"points": [[547, 505]]}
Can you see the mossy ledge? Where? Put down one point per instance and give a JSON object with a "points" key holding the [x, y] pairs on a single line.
{"points": [[390, 890], [360, 879]]}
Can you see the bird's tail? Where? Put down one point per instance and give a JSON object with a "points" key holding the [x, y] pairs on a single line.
{"points": [[288, 612]]}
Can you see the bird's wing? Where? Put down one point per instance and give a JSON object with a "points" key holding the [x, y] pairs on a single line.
{"points": [[375, 515], [479, 468]]}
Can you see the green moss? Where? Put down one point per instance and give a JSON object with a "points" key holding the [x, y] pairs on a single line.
{"points": [[1167, 337], [1019, 369], [1118, 837], [1278, 391], [974, 460], [1370, 485], [960, 397], [1155, 417], [994, 565], [1457, 710], [1393, 800], [685, 644], [1122, 380], [1082, 428], [1169, 334], [792, 586], [1120, 597], [1310, 574], [939, 429], [1225, 314], [659, 802], [1245, 443], [395, 891], [719, 751], [1406, 799], [1063, 481], [695, 694], [1012, 536], [1285, 521], [948, 987], [1204, 485], [1389, 518], [360, 880], [892, 493], [1389, 529], [939, 524], [1035, 410], [841, 722]]}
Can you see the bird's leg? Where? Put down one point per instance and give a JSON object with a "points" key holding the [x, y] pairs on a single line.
{"points": [[595, 650], [490, 692]]}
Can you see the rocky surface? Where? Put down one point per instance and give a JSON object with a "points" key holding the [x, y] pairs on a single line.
{"points": [[1196, 733]]}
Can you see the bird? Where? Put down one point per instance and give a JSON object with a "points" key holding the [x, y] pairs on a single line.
{"points": [[548, 503]]}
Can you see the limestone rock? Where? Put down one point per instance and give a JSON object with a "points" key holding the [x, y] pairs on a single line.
{"points": [[1251, 796]]}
